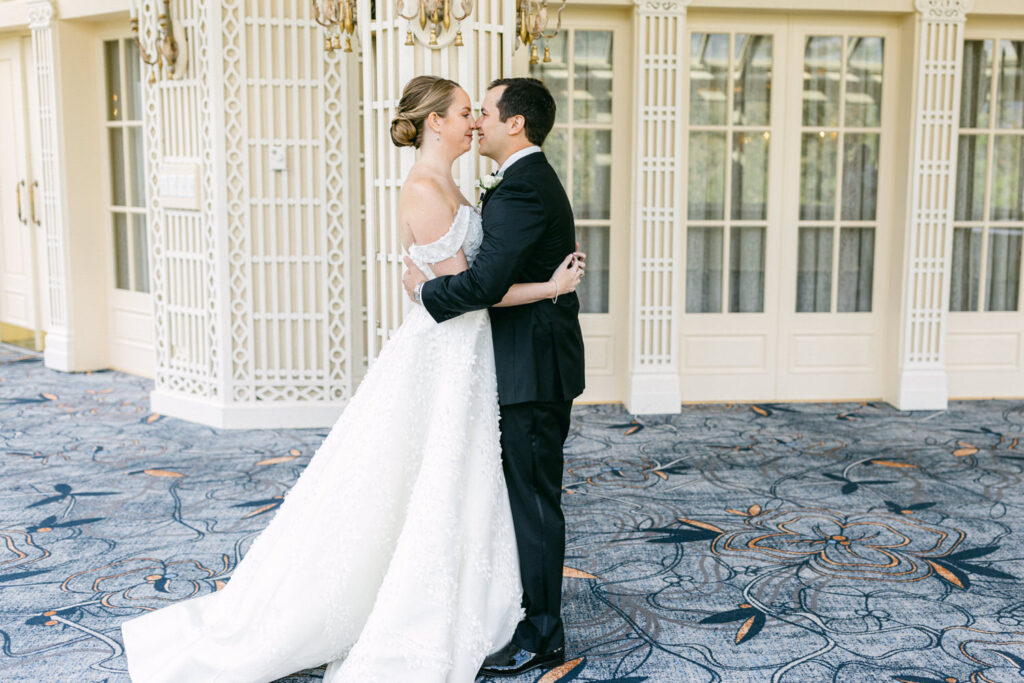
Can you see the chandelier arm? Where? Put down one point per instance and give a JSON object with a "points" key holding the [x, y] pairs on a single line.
{"points": [[400, 5]]}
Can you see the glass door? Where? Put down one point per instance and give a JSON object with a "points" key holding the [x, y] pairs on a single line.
{"points": [[589, 148], [838, 223], [733, 199], [985, 353]]}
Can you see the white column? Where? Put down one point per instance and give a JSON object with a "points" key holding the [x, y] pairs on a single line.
{"points": [[922, 383], [658, 129], [59, 353]]}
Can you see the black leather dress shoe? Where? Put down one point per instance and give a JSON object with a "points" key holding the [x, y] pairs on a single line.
{"points": [[513, 660]]}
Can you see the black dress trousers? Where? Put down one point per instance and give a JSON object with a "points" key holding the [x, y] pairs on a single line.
{"points": [[532, 436]]}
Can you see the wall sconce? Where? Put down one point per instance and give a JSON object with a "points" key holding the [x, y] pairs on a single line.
{"points": [[532, 25], [444, 22], [168, 51], [338, 17]]}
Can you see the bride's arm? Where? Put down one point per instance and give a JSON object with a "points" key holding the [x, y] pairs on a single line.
{"points": [[563, 281]]}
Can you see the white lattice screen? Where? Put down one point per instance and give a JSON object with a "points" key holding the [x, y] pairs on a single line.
{"points": [[387, 65], [251, 292]]}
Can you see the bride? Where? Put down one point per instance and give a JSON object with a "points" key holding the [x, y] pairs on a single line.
{"points": [[393, 557]]}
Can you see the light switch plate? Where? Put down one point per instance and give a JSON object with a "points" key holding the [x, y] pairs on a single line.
{"points": [[178, 185], [278, 162]]}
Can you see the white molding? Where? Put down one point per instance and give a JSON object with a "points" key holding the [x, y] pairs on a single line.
{"points": [[261, 415], [943, 10]]}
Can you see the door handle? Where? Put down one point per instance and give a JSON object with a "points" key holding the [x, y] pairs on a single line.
{"points": [[17, 191], [32, 200]]}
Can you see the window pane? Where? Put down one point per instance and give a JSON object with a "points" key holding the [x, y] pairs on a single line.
{"points": [[860, 176], [1011, 84], [137, 158], [823, 57], [593, 289], [555, 74], [703, 270], [121, 280], [140, 252], [555, 150], [971, 166], [814, 270], [709, 67], [706, 180], [856, 269], [818, 176], [977, 84], [1008, 179], [746, 270], [1003, 269], [592, 64], [750, 176], [592, 173], [112, 65], [864, 82], [963, 289], [752, 80], [117, 189], [132, 81]]}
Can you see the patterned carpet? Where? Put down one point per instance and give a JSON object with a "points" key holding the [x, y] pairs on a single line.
{"points": [[788, 543]]}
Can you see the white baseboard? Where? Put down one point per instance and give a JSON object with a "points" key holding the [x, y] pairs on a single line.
{"points": [[923, 390], [654, 393], [271, 415]]}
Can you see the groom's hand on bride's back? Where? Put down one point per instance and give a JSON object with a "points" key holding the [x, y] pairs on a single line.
{"points": [[411, 277]]}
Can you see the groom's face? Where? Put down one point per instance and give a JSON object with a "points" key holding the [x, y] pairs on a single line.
{"points": [[491, 136]]}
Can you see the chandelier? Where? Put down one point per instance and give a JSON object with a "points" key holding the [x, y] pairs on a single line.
{"points": [[166, 51], [435, 23], [532, 25], [339, 18]]}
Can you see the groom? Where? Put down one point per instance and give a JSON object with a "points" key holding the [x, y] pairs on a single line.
{"points": [[538, 349]]}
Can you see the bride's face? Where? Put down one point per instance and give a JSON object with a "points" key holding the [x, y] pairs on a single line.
{"points": [[457, 125]]}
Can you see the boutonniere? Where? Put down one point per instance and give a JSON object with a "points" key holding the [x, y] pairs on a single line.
{"points": [[488, 183]]}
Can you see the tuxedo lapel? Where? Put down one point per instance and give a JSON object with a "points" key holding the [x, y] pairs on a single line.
{"points": [[521, 166]]}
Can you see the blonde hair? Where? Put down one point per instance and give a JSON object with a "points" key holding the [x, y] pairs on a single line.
{"points": [[421, 97]]}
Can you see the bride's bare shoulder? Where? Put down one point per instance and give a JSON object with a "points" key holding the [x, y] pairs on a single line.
{"points": [[425, 211]]}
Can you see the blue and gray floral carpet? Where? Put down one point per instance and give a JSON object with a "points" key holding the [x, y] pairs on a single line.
{"points": [[784, 543]]}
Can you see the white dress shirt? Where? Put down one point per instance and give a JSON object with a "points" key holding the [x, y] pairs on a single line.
{"points": [[526, 151]]}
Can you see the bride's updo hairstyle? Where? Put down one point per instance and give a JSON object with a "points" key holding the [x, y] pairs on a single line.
{"points": [[421, 97]]}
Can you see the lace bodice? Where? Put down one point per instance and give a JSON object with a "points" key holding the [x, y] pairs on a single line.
{"points": [[466, 233]]}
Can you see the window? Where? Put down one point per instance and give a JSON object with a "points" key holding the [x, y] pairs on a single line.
{"points": [[727, 195], [580, 146], [127, 169], [988, 220], [839, 147]]}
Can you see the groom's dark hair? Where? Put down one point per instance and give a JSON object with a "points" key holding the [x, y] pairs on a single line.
{"points": [[529, 98]]}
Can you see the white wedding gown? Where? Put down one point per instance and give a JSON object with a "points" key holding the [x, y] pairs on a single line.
{"points": [[393, 557]]}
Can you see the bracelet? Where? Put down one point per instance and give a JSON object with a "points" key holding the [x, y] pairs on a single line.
{"points": [[555, 299]]}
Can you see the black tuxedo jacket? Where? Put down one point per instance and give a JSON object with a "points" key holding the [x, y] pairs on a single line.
{"points": [[528, 230]]}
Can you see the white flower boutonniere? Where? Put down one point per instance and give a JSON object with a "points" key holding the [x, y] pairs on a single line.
{"points": [[488, 183]]}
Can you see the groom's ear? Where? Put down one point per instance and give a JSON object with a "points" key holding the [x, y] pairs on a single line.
{"points": [[515, 124]]}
